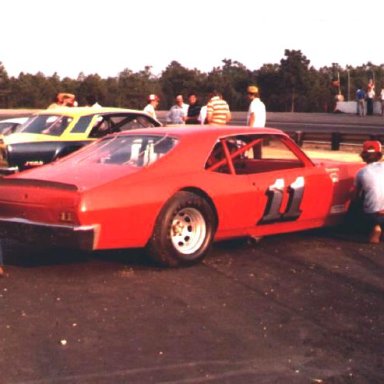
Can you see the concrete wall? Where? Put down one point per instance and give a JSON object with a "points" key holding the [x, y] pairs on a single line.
{"points": [[351, 107]]}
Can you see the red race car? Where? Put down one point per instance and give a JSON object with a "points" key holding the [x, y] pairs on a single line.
{"points": [[174, 191]]}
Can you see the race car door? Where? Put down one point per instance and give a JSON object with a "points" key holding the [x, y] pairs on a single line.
{"points": [[272, 186], [291, 193]]}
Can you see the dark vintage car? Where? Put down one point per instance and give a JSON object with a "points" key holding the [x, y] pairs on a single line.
{"points": [[54, 133]]}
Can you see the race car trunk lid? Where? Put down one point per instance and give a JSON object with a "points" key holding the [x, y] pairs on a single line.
{"points": [[37, 200]]}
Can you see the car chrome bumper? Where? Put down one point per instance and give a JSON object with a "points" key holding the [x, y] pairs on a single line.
{"points": [[50, 235], [4, 171]]}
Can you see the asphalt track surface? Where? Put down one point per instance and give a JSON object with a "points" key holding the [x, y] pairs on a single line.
{"points": [[295, 308]]}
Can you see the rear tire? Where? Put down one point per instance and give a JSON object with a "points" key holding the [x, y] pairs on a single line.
{"points": [[183, 232]]}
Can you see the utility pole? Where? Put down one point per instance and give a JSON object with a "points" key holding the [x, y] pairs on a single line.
{"points": [[348, 86]]}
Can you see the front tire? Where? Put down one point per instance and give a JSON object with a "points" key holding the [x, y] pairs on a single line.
{"points": [[183, 232]]}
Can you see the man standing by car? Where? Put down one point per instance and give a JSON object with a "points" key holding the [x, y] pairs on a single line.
{"points": [[193, 109], [256, 113], [218, 112], [177, 114], [63, 100], [369, 184], [150, 108]]}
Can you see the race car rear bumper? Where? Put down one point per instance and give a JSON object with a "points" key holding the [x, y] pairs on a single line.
{"points": [[49, 235]]}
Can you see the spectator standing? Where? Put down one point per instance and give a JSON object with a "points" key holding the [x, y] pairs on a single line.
{"points": [[370, 97], [257, 114], [92, 102], [63, 100], [177, 114], [218, 112], [382, 101], [203, 115], [150, 108], [360, 99], [369, 183], [194, 109], [185, 107], [56, 103]]}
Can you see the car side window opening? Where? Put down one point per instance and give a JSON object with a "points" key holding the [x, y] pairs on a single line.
{"points": [[82, 124], [249, 154]]}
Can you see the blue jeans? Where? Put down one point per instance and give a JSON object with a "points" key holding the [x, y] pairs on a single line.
{"points": [[361, 107], [1, 253], [376, 218]]}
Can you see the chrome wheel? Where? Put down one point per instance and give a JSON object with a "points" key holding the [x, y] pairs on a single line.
{"points": [[188, 231], [184, 231]]}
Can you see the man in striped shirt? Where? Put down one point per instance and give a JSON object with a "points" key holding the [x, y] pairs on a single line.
{"points": [[218, 112]]}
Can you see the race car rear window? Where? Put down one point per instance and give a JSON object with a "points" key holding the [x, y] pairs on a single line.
{"points": [[133, 150]]}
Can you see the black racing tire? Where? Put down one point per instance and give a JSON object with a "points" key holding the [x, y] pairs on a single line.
{"points": [[183, 232]]}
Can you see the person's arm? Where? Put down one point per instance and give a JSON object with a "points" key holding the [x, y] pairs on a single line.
{"points": [[229, 116], [251, 119], [209, 113]]}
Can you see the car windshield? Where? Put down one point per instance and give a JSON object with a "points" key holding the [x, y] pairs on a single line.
{"points": [[6, 128], [133, 150], [53, 125]]}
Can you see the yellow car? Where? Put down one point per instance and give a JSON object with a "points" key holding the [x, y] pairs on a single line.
{"points": [[53, 133]]}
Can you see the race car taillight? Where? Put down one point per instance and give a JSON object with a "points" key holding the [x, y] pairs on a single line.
{"points": [[67, 217]]}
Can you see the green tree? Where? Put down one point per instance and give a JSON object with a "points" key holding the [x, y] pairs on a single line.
{"points": [[177, 80], [269, 81], [32, 90], [91, 85], [294, 70], [236, 77], [4, 87], [133, 88], [291, 85]]}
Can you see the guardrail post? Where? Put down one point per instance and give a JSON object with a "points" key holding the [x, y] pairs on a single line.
{"points": [[299, 138], [335, 141]]}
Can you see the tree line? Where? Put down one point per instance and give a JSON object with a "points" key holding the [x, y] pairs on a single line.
{"points": [[292, 85]]}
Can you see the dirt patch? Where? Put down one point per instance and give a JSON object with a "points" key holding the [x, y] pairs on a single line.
{"points": [[350, 154]]}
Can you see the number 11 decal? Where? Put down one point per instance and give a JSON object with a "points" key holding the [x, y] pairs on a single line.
{"points": [[275, 198]]}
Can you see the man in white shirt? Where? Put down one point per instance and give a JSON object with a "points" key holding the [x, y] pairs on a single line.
{"points": [[257, 114], [150, 108], [177, 114]]}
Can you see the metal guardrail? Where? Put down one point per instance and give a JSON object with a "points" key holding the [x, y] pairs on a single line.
{"points": [[336, 130], [333, 139]]}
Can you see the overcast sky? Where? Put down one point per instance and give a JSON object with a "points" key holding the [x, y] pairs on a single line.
{"points": [[108, 36]]}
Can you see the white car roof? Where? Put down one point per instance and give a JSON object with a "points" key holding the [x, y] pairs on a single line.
{"points": [[18, 120]]}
